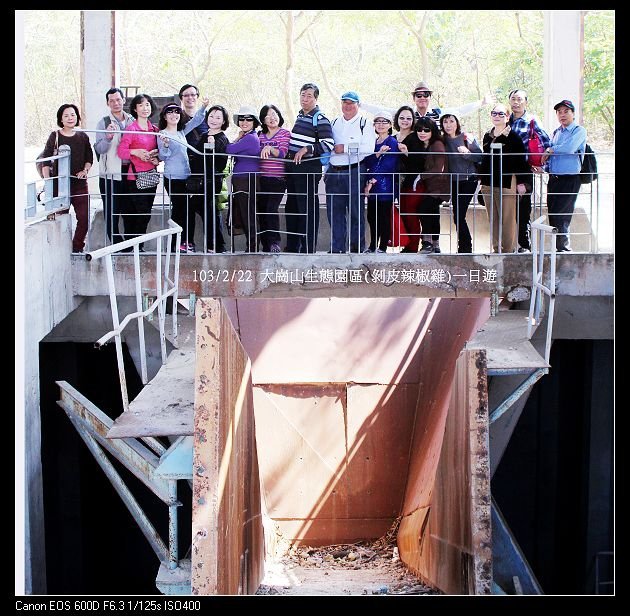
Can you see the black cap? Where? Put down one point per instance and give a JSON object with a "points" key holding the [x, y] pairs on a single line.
{"points": [[565, 103]]}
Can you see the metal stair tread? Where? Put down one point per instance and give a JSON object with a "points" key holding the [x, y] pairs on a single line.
{"points": [[165, 405], [508, 350]]}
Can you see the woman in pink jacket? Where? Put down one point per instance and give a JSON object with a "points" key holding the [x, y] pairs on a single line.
{"points": [[141, 150]]}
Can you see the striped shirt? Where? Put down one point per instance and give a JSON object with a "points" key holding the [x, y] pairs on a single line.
{"points": [[274, 167], [303, 134]]}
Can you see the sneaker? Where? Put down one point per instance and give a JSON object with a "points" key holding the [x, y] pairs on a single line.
{"points": [[368, 250], [436, 248], [191, 247], [407, 250], [183, 247], [274, 248], [521, 249], [427, 248], [380, 251]]}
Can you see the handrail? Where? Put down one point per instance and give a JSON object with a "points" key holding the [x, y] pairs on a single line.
{"points": [[165, 288], [539, 229]]}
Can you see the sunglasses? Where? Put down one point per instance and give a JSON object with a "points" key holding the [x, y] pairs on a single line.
{"points": [[177, 111], [245, 119], [499, 114], [424, 130], [422, 94]]}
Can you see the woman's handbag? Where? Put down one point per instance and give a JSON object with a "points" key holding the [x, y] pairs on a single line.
{"points": [[535, 147], [146, 179], [39, 165]]}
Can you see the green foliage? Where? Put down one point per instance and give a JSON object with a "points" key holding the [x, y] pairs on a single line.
{"points": [[240, 57]]}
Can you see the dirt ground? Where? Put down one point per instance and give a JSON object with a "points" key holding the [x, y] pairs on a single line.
{"points": [[362, 568]]}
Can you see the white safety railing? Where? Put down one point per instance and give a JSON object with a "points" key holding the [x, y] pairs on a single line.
{"points": [[165, 287], [43, 202], [539, 229]]}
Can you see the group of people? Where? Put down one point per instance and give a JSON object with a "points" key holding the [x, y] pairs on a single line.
{"points": [[366, 166]]}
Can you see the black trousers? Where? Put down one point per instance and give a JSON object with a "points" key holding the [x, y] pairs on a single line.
{"points": [[113, 193], [302, 207], [562, 192], [379, 215]]}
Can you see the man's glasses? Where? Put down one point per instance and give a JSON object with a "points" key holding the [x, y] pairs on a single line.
{"points": [[426, 129], [500, 114], [177, 111], [245, 119], [381, 121], [422, 94]]}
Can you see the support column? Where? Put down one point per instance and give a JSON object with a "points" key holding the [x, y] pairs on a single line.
{"points": [[98, 71], [563, 63]]}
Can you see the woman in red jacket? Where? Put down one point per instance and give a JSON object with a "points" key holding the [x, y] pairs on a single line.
{"points": [[141, 150]]}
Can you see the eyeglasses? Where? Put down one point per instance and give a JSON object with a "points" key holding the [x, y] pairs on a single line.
{"points": [[177, 111], [500, 114], [245, 119], [381, 122], [426, 129], [422, 94]]}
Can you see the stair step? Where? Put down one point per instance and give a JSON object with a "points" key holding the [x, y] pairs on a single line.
{"points": [[508, 350]]}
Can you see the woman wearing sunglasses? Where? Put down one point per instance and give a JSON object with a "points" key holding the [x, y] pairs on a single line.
{"points": [[435, 181], [504, 174], [245, 174], [173, 151], [379, 189]]}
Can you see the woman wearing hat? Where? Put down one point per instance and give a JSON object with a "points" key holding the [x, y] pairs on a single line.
{"points": [[379, 189], [173, 151], [246, 147], [463, 154]]}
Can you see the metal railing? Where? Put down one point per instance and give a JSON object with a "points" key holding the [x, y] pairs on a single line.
{"points": [[593, 213], [40, 198], [165, 287], [539, 229]]}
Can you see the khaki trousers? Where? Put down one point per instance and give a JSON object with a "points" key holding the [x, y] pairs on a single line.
{"points": [[507, 232]]}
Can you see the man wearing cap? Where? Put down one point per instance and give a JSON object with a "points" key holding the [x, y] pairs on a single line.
{"points": [[304, 170], [354, 140], [567, 143], [422, 98], [112, 170], [520, 120]]}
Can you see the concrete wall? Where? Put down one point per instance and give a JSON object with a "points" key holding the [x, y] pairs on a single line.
{"points": [[48, 299], [227, 533]]}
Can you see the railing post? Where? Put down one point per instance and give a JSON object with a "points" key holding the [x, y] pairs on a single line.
{"points": [[496, 148]]}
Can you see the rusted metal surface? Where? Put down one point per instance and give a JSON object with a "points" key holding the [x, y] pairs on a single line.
{"points": [[333, 340], [138, 459], [243, 275], [89, 438], [227, 544], [447, 539]]}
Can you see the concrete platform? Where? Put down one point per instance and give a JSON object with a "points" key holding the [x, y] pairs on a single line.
{"points": [[165, 405], [504, 337]]}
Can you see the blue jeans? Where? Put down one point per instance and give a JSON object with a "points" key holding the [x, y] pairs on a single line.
{"points": [[344, 190]]}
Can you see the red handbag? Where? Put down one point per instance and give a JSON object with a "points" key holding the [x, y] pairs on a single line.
{"points": [[535, 147], [399, 235]]}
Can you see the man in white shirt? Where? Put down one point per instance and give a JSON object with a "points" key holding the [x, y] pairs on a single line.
{"points": [[354, 140]]}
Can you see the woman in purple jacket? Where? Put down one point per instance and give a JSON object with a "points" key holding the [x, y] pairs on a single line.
{"points": [[245, 174]]}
